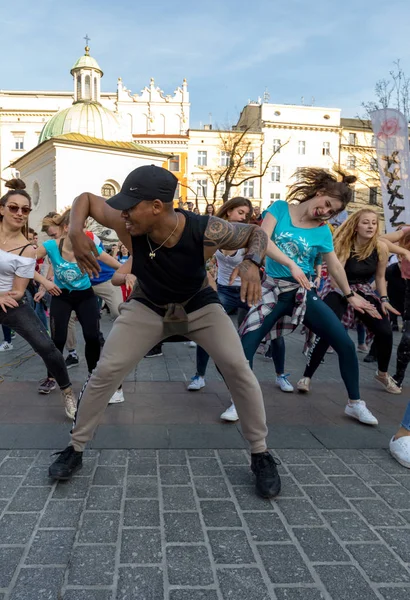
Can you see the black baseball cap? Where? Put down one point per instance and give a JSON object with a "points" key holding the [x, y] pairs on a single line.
{"points": [[145, 183]]}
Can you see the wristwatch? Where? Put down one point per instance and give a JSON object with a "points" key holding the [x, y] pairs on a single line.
{"points": [[255, 258], [349, 295]]}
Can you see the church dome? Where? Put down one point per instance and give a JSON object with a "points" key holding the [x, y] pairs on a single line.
{"points": [[86, 62]]}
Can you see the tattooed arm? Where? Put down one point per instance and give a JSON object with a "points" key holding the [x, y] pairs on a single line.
{"points": [[223, 235]]}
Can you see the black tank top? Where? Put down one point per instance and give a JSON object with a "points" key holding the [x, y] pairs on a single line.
{"points": [[361, 271], [178, 273]]}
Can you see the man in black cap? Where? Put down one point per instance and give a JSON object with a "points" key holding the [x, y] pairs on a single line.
{"points": [[171, 298]]}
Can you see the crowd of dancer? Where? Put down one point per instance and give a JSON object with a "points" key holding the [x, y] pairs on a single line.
{"points": [[159, 286]]}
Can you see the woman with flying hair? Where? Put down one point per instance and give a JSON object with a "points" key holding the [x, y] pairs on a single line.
{"points": [[298, 234], [364, 257]]}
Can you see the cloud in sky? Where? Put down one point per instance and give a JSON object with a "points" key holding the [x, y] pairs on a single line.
{"points": [[229, 51]]}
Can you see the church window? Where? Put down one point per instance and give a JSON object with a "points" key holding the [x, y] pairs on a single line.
{"points": [[87, 88], [108, 190], [78, 87], [95, 89]]}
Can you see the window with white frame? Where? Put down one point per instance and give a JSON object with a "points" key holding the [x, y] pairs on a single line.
{"points": [[19, 142], [301, 147], [373, 195], [249, 159], [225, 158], [174, 163], [275, 196], [351, 162], [275, 173], [248, 188], [202, 188], [351, 139], [276, 146], [326, 149], [202, 158]]}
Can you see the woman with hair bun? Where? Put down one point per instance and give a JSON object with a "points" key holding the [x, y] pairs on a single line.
{"points": [[17, 268], [298, 234]]}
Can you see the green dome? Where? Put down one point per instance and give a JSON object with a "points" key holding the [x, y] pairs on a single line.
{"points": [[88, 118], [86, 62]]}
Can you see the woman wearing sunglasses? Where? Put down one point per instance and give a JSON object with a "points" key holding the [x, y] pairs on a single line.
{"points": [[17, 267]]}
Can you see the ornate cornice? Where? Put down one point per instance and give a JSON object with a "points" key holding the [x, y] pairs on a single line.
{"points": [[302, 126]]}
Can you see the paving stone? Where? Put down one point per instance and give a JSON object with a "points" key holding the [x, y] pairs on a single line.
{"points": [[88, 468], [141, 513], [319, 453], [44, 583], [332, 466], [189, 565], [230, 547], [51, 547], [249, 500], [8, 486], [319, 545], [378, 563], [377, 513], [293, 457], [352, 487], [16, 528], [142, 487], [396, 593], [141, 546], [3, 454], [3, 504], [23, 453], [399, 541], [183, 527], [298, 594], [352, 457], [113, 457], [147, 466], [299, 512], [233, 457], [193, 595], [99, 528], [266, 527], [325, 497], [205, 467], [145, 583], [284, 564], [174, 475], [45, 457], [142, 454], [178, 498], [205, 452], [172, 457], [349, 526], [88, 594], [372, 474], [290, 489], [220, 513], [62, 513], [308, 475], [104, 498], [345, 582], [109, 476], [37, 476], [239, 475], [74, 489], [404, 480], [92, 565], [394, 495], [389, 465], [29, 499], [9, 559], [405, 514], [15, 466], [211, 487], [242, 584]]}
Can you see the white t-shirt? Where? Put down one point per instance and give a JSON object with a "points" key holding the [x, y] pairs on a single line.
{"points": [[226, 264], [12, 265]]}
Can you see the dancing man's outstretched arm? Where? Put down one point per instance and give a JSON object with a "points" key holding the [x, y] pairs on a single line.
{"points": [[223, 235]]}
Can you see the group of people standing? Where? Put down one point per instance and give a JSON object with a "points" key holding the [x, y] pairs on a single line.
{"points": [[174, 297]]}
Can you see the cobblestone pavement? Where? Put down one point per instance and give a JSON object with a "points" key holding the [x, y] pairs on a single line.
{"points": [[186, 525]]}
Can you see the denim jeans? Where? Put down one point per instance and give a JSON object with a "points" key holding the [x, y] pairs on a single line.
{"points": [[406, 419], [38, 308], [7, 334]]}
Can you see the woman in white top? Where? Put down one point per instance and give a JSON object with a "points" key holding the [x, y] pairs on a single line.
{"points": [[17, 267]]}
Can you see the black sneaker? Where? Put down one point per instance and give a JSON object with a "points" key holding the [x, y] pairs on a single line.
{"points": [[67, 463], [155, 351], [47, 385], [264, 467], [71, 361], [369, 358]]}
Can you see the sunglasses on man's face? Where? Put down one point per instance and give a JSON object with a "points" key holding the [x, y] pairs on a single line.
{"points": [[14, 208]]}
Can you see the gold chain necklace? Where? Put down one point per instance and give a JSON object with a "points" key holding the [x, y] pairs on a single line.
{"points": [[152, 253]]}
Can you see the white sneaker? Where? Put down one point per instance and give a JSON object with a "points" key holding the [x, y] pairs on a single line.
{"points": [[70, 402], [192, 344], [197, 383], [6, 346], [283, 382], [303, 385], [117, 397], [230, 414], [358, 410], [400, 450]]}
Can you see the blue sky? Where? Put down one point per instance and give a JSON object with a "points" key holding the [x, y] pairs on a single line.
{"points": [[229, 50]]}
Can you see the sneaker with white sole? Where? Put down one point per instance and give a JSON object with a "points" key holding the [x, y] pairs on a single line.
{"points": [[358, 410], [197, 383], [388, 383], [6, 346], [70, 402], [230, 414], [400, 450], [303, 385], [283, 382], [117, 397], [192, 344], [47, 385]]}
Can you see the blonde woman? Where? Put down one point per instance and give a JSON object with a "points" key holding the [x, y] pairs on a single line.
{"points": [[364, 257]]}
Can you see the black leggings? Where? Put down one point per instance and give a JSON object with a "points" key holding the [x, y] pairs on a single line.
{"points": [[381, 328], [403, 351], [24, 321], [84, 304], [322, 321]]}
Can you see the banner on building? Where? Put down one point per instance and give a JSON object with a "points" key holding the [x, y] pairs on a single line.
{"points": [[392, 148]]}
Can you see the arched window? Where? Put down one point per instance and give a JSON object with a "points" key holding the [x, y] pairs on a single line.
{"points": [[95, 89], [87, 88], [78, 87], [35, 194], [107, 190]]}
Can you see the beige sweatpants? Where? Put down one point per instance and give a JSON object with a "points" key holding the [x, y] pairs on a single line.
{"points": [[136, 331], [108, 292]]}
